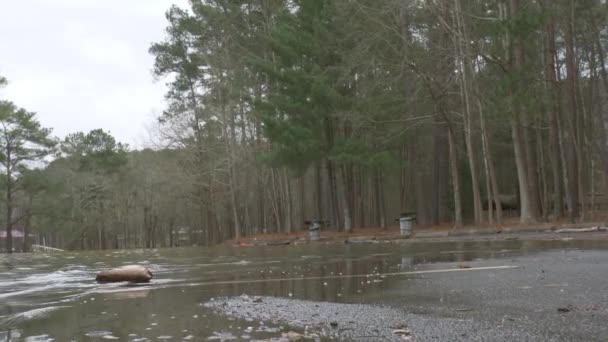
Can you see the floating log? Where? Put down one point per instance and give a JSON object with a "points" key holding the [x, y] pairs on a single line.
{"points": [[131, 273]]}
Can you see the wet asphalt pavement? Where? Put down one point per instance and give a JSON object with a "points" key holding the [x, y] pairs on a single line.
{"points": [[550, 295], [555, 295], [500, 290]]}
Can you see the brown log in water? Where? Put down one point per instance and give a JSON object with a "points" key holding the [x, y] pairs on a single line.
{"points": [[131, 273]]}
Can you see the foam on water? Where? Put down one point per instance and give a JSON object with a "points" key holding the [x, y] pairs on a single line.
{"points": [[39, 338], [13, 320], [56, 282]]}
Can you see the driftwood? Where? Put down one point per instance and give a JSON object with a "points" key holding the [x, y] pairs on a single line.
{"points": [[581, 230], [132, 273]]}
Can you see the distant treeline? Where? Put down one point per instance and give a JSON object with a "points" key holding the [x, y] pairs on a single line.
{"points": [[348, 111]]}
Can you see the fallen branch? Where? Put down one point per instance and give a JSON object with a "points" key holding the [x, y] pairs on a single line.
{"points": [[582, 230]]}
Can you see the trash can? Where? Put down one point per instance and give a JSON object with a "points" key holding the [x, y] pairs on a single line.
{"points": [[315, 230], [405, 224]]}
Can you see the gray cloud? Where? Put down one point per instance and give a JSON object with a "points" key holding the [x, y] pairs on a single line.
{"points": [[84, 64]]}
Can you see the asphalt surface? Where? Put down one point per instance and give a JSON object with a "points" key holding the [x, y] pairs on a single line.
{"points": [[554, 292], [510, 288]]}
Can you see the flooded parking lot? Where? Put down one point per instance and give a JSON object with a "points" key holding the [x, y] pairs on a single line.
{"points": [[500, 290]]}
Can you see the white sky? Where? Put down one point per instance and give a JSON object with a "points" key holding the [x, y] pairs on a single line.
{"points": [[84, 64]]}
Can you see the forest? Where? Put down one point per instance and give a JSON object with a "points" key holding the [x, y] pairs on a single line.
{"points": [[478, 112]]}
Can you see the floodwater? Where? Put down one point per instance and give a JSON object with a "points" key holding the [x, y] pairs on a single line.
{"points": [[53, 297]]}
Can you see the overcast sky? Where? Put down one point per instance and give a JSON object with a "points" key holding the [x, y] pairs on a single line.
{"points": [[84, 64]]}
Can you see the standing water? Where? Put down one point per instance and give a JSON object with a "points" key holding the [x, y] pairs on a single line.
{"points": [[53, 297]]}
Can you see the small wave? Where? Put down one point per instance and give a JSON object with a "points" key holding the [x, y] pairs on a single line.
{"points": [[22, 292], [123, 288], [60, 277], [60, 282], [311, 257], [39, 338], [12, 320], [238, 263], [98, 333]]}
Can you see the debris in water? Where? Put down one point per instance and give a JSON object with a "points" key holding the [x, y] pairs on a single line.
{"points": [[221, 336], [98, 333], [399, 326], [130, 273], [581, 230], [405, 334], [292, 336], [110, 337]]}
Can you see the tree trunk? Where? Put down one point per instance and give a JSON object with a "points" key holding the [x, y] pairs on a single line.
{"points": [[532, 168], [9, 202], [333, 194], [517, 53], [26, 225], [524, 201], [348, 225], [351, 191], [319, 192], [147, 226], [574, 164], [468, 124], [436, 183], [380, 204], [302, 190], [360, 198], [489, 190], [553, 112], [455, 180], [402, 177], [275, 202], [234, 204], [543, 188], [288, 204], [99, 237], [488, 160], [154, 226]]}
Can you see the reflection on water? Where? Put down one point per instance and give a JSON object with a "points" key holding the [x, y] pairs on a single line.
{"points": [[54, 297]]}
